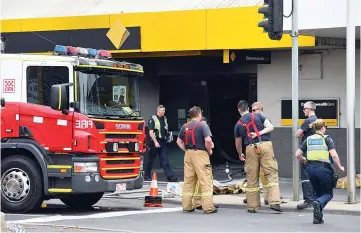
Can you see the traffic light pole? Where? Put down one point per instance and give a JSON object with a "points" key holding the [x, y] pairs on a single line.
{"points": [[350, 101], [295, 105]]}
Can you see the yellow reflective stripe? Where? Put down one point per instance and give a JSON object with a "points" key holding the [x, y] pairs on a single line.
{"points": [[157, 125], [275, 202], [187, 194], [197, 189], [59, 98], [270, 185], [252, 189], [197, 195], [166, 123], [207, 194]]}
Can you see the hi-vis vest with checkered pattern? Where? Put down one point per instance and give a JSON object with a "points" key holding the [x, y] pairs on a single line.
{"points": [[157, 125], [317, 149]]}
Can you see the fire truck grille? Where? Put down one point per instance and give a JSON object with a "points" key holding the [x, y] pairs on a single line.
{"points": [[110, 162], [121, 136], [119, 167], [120, 171], [109, 146]]}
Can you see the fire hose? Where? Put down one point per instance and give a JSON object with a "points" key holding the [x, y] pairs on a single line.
{"points": [[230, 159]]}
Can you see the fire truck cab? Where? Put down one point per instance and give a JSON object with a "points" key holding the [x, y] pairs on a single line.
{"points": [[70, 128]]}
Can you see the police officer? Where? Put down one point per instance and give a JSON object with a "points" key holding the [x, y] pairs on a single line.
{"points": [[319, 147], [306, 130], [158, 131], [251, 130], [195, 139]]}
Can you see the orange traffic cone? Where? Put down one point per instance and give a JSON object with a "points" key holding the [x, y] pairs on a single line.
{"points": [[153, 200]]}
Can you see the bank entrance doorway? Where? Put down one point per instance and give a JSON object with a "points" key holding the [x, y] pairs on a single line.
{"points": [[218, 96]]}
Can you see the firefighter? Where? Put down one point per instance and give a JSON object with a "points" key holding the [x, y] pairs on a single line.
{"points": [[158, 132], [306, 130], [195, 139], [319, 147], [197, 197], [257, 107], [251, 130]]}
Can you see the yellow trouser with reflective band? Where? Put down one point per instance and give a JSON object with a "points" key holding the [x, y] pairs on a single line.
{"points": [[264, 183], [197, 197], [197, 168], [270, 168]]}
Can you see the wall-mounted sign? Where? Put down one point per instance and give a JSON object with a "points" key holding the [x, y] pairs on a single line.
{"points": [[250, 56], [327, 109]]}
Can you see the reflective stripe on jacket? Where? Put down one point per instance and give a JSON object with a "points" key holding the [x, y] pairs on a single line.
{"points": [[317, 149], [157, 125]]}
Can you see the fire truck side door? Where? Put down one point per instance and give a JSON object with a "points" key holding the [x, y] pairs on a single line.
{"points": [[52, 129]]}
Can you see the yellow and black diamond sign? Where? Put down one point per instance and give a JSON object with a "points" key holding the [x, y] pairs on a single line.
{"points": [[118, 34]]}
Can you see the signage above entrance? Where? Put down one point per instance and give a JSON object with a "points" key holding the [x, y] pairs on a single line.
{"points": [[249, 56], [40, 42]]}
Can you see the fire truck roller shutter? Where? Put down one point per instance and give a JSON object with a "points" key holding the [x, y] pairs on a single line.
{"points": [[23, 163]]}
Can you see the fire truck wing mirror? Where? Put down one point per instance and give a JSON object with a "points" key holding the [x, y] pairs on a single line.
{"points": [[59, 97], [2, 102]]}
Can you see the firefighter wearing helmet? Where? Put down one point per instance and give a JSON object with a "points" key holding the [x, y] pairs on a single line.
{"points": [[195, 139], [252, 131]]}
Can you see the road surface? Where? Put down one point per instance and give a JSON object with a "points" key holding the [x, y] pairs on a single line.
{"points": [[115, 215]]}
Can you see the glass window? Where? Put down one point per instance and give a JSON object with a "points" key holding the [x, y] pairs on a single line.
{"points": [[107, 94], [40, 79]]}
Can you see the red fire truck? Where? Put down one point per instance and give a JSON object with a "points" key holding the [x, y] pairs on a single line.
{"points": [[70, 128]]}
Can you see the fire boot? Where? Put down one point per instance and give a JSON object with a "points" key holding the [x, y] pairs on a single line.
{"points": [[200, 207], [276, 207]]}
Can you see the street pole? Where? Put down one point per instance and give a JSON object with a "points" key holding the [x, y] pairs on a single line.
{"points": [[296, 163], [350, 102]]}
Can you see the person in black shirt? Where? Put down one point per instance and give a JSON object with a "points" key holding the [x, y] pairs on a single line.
{"points": [[158, 133], [305, 131]]}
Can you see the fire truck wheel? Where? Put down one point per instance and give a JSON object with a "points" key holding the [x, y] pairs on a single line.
{"points": [[82, 201], [21, 184]]}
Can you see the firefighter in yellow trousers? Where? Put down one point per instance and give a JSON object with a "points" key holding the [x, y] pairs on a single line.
{"points": [[257, 107], [195, 139], [197, 198], [252, 130]]}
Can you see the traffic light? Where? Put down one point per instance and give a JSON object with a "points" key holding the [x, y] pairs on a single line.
{"points": [[273, 18]]}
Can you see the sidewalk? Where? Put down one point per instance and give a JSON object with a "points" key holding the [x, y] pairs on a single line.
{"points": [[236, 202], [338, 204]]}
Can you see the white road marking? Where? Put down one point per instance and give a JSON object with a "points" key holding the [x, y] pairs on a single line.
{"points": [[100, 215], [25, 215], [69, 227]]}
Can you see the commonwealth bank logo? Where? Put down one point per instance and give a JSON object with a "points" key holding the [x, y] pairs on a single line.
{"points": [[118, 34]]}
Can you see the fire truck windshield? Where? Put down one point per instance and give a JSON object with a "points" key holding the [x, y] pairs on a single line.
{"points": [[104, 93]]}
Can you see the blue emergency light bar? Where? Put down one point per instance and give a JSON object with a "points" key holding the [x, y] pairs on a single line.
{"points": [[92, 52], [103, 56], [59, 49], [82, 52]]}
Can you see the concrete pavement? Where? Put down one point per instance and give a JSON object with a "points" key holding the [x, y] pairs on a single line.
{"points": [[236, 202], [336, 206]]}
